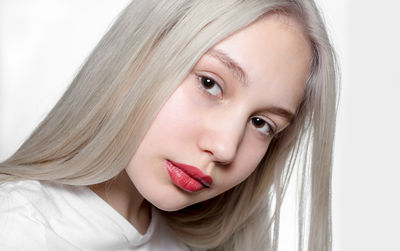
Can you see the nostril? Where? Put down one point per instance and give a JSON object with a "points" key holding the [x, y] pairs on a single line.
{"points": [[219, 144], [222, 163], [209, 152]]}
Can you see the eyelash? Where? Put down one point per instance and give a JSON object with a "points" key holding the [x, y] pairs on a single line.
{"points": [[201, 78], [271, 129]]}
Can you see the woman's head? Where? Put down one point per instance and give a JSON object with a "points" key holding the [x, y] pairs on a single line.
{"points": [[95, 129], [222, 117]]}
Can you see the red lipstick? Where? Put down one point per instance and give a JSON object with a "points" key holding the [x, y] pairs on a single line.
{"points": [[189, 178]]}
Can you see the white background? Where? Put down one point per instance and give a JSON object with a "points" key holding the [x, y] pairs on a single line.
{"points": [[43, 43]]}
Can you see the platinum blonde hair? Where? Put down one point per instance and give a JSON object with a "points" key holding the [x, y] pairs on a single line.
{"points": [[92, 132]]}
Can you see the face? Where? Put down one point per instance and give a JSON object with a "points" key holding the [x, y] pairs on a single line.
{"points": [[214, 130]]}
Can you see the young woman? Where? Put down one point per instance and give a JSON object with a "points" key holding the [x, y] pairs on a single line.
{"points": [[181, 131]]}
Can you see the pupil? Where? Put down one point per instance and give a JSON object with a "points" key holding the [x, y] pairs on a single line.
{"points": [[208, 83], [258, 122]]}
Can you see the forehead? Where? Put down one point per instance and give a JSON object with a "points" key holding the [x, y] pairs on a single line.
{"points": [[274, 55]]}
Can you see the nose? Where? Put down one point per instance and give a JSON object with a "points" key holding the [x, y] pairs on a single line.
{"points": [[221, 137]]}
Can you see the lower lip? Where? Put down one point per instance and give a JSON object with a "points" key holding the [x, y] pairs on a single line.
{"points": [[182, 179]]}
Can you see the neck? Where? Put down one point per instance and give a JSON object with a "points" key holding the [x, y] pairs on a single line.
{"points": [[122, 195]]}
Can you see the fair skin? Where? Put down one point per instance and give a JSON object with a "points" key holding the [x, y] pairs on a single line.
{"points": [[220, 119]]}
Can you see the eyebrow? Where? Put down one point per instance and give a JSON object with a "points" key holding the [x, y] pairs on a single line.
{"points": [[288, 115], [231, 64], [241, 75]]}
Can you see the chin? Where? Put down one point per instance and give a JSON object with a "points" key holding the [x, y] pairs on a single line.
{"points": [[169, 198], [169, 206]]}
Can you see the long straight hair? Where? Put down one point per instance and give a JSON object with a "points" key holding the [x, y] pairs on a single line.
{"points": [[95, 128]]}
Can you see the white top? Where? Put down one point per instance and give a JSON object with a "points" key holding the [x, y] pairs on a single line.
{"points": [[49, 216]]}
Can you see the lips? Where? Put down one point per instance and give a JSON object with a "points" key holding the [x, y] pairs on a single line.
{"points": [[188, 178]]}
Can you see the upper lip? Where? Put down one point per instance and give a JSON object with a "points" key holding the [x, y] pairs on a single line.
{"points": [[195, 173]]}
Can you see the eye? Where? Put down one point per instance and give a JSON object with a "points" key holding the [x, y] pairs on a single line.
{"points": [[210, 86], [262, 126]]}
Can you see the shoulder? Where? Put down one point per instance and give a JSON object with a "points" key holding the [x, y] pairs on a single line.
{"points": [[18, 215], [26, 196], [25, 208], [43, 198], [20, 197]]}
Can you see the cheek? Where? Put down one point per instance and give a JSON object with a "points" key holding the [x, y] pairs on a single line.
{"points": [[176, 118], [169, 131]]}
